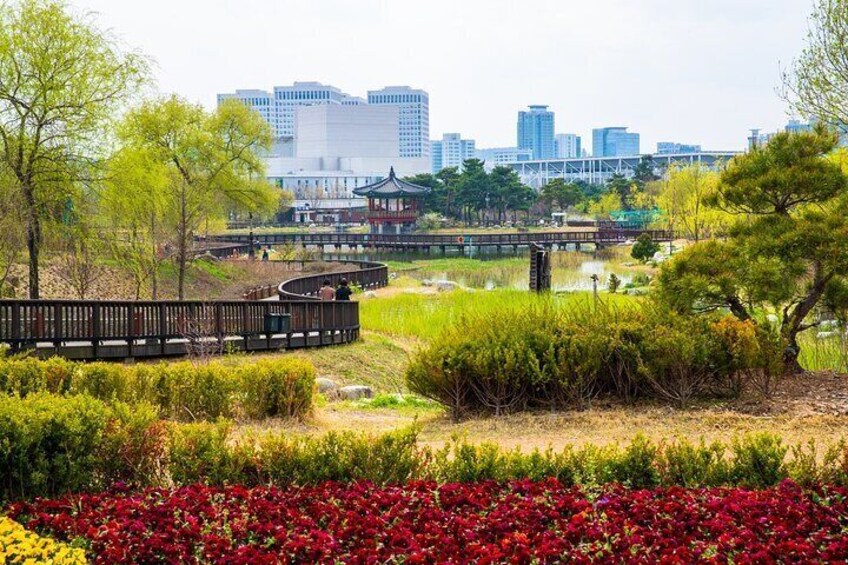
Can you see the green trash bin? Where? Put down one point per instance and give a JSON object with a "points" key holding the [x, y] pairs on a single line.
{"points": [[277, 323]]}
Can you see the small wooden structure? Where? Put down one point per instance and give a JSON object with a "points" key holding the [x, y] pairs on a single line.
{"points": [[540, 268], [393, 204]]}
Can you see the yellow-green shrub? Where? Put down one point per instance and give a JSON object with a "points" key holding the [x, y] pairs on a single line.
{"points": [[181, 390], [544, 354]]}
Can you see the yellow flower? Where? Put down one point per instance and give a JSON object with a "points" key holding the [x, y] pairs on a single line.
{"points": [[19, 546]]}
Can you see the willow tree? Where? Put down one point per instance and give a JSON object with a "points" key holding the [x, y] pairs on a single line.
{"points": [[212, 162], [133, 205], [683, 198], [816, 85], [61, 81]]}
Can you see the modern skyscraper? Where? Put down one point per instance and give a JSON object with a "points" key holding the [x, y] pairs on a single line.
{"points": [[450, 151], [671, 148], [536, 131], [614, 142], [414, 108], [567, 146], [797, 126]]}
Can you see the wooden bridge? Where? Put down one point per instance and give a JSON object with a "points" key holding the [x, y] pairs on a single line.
{"points": [[426, 242], [101, 329]]}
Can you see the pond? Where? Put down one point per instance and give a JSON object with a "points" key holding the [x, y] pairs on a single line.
{"points": [[570, 270]]}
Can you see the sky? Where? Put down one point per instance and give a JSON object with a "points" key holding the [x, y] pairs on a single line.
{"points": [[691, 71]]}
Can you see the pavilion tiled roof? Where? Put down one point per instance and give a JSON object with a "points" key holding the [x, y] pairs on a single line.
{"points": [[391, 186]]}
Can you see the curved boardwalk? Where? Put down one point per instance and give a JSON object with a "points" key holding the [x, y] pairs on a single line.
{"points": [[100, 329]]}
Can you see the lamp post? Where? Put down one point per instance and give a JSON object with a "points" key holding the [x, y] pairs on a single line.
{"points": [[251, 253], [487, 209], [595, 289]]}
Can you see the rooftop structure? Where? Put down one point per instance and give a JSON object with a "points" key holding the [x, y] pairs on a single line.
{"points": [[393, 203]]}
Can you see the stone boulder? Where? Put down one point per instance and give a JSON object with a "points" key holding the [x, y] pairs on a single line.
{"points": [[354, 392], [326, 385]]}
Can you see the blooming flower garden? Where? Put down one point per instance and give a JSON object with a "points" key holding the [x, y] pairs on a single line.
{"points": [[424, 522]]}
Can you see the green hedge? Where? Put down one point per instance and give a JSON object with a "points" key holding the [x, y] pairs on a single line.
{"points": [[50, 445], [182, 391], [547, 355]]}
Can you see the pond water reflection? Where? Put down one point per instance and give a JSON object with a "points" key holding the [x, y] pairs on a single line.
{"points": [[570, 270]]}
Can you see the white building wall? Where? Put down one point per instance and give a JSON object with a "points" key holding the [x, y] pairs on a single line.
{"points": [[335, 131]]}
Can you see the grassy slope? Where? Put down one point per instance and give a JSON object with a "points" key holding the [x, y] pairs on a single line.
{"points": [[402, 318]]}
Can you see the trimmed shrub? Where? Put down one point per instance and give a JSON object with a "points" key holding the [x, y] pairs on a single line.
{"points": [[50, 445], [275, 389], [55, 444], [182, 391], [546, 356]]}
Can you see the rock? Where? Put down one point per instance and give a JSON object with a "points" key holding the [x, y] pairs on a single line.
{"points": [[445, 285], [355, 392], [827, 325], [826, 335], [325, 385], [369, 294]]}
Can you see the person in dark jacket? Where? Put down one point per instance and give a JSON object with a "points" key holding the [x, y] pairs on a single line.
{"points": [[344, 291]]}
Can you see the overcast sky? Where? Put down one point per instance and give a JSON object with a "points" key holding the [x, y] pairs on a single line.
{"points": [[693, 71]]}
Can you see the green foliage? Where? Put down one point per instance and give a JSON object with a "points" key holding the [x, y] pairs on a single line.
{"points": [[758, 461], [62, 80], [51, 445], [564, 194], [542, 355], [787, 248], [613, 283], [211, 163], [816, 83], [684, 197], [429, 221], [464, 195], [181, 391], [645, 248], [277, 389]]}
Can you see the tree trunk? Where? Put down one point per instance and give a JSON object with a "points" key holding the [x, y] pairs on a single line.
{"points": [[182, 250], [33, 237], [181, 268]]}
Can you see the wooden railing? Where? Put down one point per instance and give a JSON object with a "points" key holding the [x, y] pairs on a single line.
{"points": [[95, 329], [363, 274], [603, 237]]}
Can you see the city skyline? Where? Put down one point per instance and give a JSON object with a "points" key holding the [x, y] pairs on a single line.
{"points": [[660, 87]]}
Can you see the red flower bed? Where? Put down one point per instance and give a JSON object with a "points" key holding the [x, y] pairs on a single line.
{"points": [[421, 522]]}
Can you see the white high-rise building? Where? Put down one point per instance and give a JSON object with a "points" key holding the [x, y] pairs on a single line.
{"points": [[277, 107], [567, 146], [259, 100], [287, 98], [414, 117], [450, 151]]}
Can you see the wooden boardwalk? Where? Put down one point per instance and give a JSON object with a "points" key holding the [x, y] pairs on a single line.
{"points": [[108, 329], [426, 242]]}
